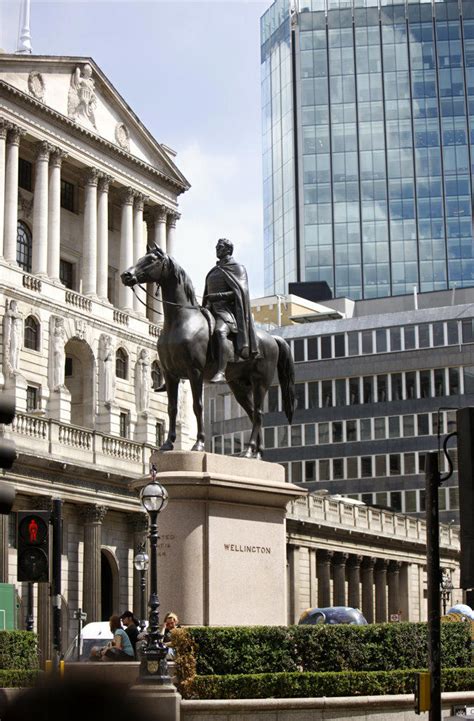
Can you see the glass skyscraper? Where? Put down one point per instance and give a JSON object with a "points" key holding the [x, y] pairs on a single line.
{"points": [[368, 131]]}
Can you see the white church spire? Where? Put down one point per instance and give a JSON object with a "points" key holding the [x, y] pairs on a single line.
{"points": [[24, 35]]}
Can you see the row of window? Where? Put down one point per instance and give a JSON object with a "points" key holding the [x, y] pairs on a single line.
{"points": [[25, 181], [410, 501], [384, 340], [406, 385]]}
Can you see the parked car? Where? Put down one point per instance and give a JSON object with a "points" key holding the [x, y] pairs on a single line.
{"points": [[333, 614], [93, 634]]}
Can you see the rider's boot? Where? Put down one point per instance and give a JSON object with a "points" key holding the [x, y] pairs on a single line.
{"points": [[219, 377]]}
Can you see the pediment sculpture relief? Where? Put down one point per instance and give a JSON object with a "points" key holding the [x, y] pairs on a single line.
{"points": [[36, 85], [122, 136], [82, 100]]}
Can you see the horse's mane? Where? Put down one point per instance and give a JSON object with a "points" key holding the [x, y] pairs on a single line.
{"points": [[182, 277]]}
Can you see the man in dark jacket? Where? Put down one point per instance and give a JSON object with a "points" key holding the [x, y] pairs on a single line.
{"points": [[226, 294], [130, 623]]}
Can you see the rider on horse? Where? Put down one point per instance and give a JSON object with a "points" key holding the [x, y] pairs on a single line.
{"points": [[226, 294]]}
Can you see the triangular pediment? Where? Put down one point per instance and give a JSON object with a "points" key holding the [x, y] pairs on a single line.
{"points": [[77, 88]]}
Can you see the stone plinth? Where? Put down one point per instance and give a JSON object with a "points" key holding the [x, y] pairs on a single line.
{"points": [[60, 405], [222, 547]]}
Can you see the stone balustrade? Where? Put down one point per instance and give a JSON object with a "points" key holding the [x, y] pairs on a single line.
{"points": [[78, 301], [43, 437], [328, 511], [31, 282]]}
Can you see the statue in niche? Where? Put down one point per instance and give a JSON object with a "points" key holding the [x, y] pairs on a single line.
{"points": [[13, 338], [142, 381], [82, 100], [107, 356], [58, 354]]}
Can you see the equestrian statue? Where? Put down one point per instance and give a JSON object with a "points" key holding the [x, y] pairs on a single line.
{"points": [[215, 342]]}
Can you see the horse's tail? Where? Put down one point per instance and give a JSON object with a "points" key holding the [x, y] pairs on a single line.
{"points": [[286, 377]]}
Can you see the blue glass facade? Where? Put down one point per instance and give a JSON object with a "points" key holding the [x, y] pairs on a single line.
{"points": [[368, 125]]}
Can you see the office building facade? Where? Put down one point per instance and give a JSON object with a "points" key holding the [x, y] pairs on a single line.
{"points": [[367, 150]]}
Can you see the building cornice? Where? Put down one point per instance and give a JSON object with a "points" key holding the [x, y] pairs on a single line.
{"points": [[78, 131]]}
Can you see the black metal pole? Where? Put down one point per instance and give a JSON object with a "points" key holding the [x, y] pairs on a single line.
{"points": [[432, 479], [56, 587], [29, 620], [142, 598]]}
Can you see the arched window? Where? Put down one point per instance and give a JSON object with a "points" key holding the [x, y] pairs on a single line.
{"points": [[156, 375], [32, 333], [23, 246], [121, 364]]}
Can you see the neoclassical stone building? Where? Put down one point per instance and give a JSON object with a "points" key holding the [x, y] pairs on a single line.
{"points": [[83, 187]]}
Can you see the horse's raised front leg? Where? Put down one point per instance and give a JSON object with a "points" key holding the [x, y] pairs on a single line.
{"points": [[196, 388], [172, 386]]}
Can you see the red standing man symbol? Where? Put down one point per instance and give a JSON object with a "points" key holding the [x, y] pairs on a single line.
{"points": [[33, 531]]}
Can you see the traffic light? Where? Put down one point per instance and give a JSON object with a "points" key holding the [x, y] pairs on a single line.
{"points": [[465, 429], [33, 546], [8, 454]]}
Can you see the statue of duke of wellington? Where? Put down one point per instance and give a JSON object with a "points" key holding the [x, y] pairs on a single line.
{"points": [[226, 294]]}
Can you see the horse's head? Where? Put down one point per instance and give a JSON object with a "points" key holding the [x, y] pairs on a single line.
{"points": [[147, 269]]}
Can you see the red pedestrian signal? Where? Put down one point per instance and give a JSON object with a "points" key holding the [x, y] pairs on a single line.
{"points": [[33, 546]]}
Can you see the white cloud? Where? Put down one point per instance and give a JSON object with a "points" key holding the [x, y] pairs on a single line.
{"points": [[217, 206]]}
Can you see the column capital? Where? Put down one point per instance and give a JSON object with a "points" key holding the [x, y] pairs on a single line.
{"points": [[92, 513], [43, 150], [324, 556], [340, 559], [368, 563], [172, 216], [138, 522], [355, 560], [42, 503], [139, 201], [159, 213], [57, 156], [4, 126], [104, 182], [381, 564], [127, 196], [14, 134], [91, 177], [394, 566]]}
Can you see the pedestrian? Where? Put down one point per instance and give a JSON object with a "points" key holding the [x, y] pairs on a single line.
{"points": [[131, 628], [120, 648]]}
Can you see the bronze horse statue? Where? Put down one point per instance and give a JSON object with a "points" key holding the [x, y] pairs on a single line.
{"points": [[185, 349]]}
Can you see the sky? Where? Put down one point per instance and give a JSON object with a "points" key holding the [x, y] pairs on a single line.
{"points": [[191, 72]]}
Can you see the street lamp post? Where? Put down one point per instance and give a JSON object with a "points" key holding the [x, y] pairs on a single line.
{"points": [[153, 667], [446, 588], [141, 562]]}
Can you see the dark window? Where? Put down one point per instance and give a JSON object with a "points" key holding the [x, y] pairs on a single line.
{"points": [[396, 501], [68, 367], [439, 381], [121, 364], [298, 350], [453, 335], [326, 394], [368, 382], [395, 339], [310, 471], [438, 333], [32, 334], [397, 388], [66, 273], [339, 346], [312, 349], [67, 195], [269, 435], [159, 434], [423, 424], [313, 394], [424, 336], [467, 331], [32, 396], [309, 434], [341, 392], [338, 469], [425, 384], [381, 340], [353, 343], [123, 424], [300, 396], [409, 337], [23, 246], [365, 429], [394, 462], [367, 342], [237, 443], [337, 432], [366, 466], [354, 395], [296, 435], [218, 444], [410, 384], [351, 430], [380, 466], [273, 399], [453, 381], [381, 389], [25, 174], [296, 472], [326, 346]]}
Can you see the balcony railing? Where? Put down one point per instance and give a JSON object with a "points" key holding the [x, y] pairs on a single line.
{"points": [[78, 301], [46, 437]]}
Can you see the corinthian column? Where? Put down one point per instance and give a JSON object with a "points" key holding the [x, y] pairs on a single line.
{"points": [[126, 246], [54, 213], [171, 232], [354, 581], [381, 590], [368, 588], [324, 577], [89, 262], [394, 587], [160, 226], [339, 571], [11, 193], [39, 264], [103, 236], [3, 149], [92, 517], [138, 246]]}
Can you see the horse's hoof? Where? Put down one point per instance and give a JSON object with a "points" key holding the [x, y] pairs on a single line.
{"points": [[248, 453], [198, 446], [167, 446]]}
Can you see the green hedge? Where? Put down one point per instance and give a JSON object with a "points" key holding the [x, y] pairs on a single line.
{"points": [[18, 650], [377, 647], [13, 678], [316, 685]]}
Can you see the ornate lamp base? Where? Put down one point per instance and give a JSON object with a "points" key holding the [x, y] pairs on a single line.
{"points": [[153, 665]]}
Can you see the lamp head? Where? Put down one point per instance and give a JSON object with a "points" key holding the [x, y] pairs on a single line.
{"points": [[141, 561], [154, 497]]}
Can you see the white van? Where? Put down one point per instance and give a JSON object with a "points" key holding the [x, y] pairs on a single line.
{"points": [[93, 634]]}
